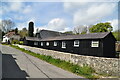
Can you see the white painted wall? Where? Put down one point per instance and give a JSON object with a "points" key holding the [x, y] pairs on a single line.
{"points": [[5, 39]]}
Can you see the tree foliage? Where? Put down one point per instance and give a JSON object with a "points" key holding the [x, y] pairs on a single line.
{"points": [[16, 30], [1, 34], [68, 32], [31, 29], [117, 35], [6, 25], [101, 27], [23, 33]]}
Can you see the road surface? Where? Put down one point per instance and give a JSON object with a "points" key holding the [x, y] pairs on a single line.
{"points": [[17, 64]]}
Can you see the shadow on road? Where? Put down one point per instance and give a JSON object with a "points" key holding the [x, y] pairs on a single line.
{"points": [[10, 69]]}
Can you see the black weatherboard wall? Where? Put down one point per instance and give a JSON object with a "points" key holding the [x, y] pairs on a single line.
{"points": [[83, 49], [106, 43], [109, 46]]}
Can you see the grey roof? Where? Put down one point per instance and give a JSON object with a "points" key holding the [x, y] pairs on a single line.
{"points": [[72, 37], [48, 33], [82, 36], [33, 38]]}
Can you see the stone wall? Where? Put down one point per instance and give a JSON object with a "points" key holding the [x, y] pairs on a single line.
{"points": [[109, 66]]}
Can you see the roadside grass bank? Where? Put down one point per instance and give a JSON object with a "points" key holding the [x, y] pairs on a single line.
{"points": [[84, 71]]}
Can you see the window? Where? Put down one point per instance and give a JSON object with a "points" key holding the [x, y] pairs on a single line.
{"points": [[76, 43], [63, 44], [35, 43], [47, 43], [95, 44], [41, 43], [55, 43]]}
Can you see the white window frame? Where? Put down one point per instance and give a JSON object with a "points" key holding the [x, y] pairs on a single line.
{"points": [[76, 43], [63, 44], [95, 44], [35, 43], [47, 43], [41, 43], [55, 43]]}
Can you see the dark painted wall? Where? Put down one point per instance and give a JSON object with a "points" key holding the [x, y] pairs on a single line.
{"points": [[83, 49], [30, 43], [106, 47], [109, 46]]}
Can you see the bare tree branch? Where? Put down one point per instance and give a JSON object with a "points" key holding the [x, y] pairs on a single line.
{"points": [[6, 25]]}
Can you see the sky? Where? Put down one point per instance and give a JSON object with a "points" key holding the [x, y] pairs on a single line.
{"points": [[59, 15]]}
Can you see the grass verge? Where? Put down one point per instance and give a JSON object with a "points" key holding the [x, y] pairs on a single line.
{"points": [[84, 71]]}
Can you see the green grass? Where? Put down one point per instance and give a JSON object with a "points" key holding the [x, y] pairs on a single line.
{"points": [[4, 43], [84, 71]]}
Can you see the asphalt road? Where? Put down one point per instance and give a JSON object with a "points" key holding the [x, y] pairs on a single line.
{"points": [[17, 64]]}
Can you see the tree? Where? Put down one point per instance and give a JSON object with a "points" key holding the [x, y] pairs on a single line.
{"points": [[31, 29], [101, 27], [24, 29], [68, 32], [83, 32], [80, 29], [16, 30], [1, 34], [37, 30], [23, 33], [6, 25], [117, 34]]}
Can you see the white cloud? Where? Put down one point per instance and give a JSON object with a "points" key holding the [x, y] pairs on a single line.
{"points": [[86, 13], [17, 17], [27, 9], [74, 6], [20, 26], [66, 29], [114, 23], [93, 14], [19, 7], [12, 7], [15, 6], [56, 24]]}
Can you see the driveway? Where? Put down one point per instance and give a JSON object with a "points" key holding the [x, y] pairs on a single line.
{"points": [[17, 64]]}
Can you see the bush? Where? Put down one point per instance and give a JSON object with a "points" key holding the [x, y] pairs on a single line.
{"points": [[15, 42], [20, 42]]}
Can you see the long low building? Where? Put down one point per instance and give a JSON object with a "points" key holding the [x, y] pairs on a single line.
{"points": [[92, 44]]}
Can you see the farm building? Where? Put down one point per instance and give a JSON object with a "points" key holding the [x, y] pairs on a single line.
{"points": [[10, 36], [92, 44]]}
